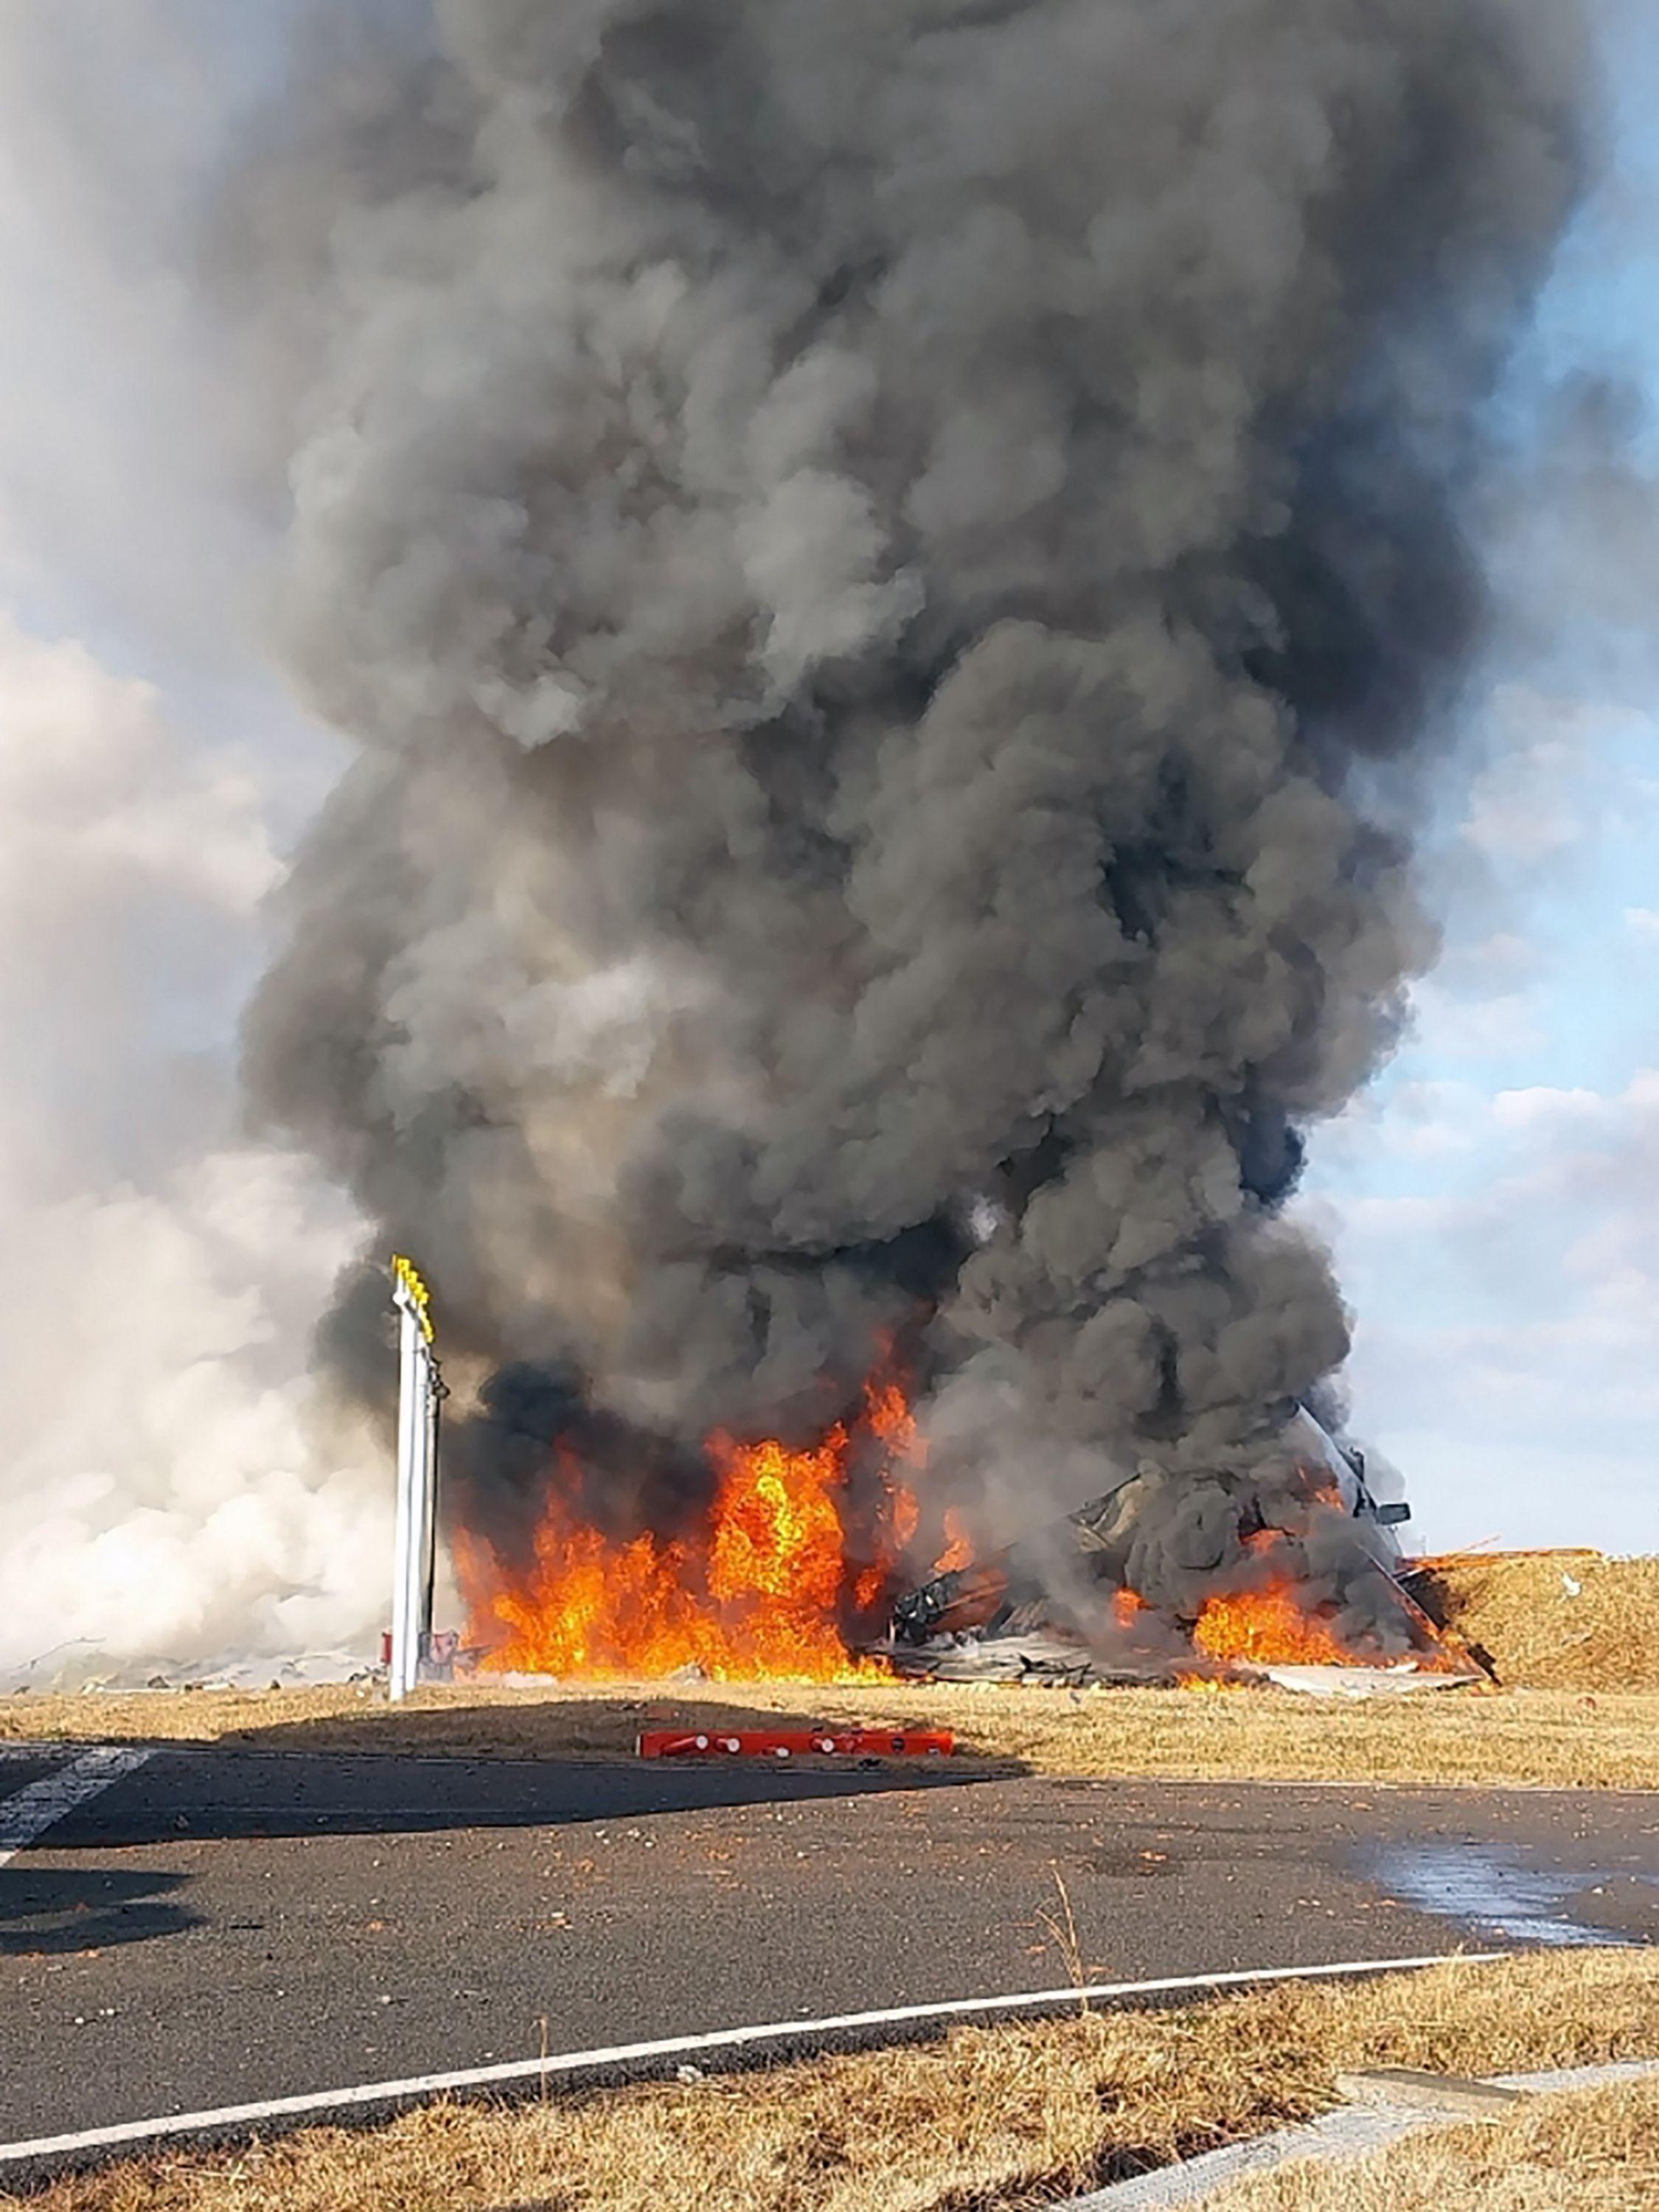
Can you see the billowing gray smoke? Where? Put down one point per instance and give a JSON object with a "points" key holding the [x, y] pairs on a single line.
{"points": [[897, 568]]}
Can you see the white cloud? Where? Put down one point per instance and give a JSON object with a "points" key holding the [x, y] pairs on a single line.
{"points": [[1541, 1109], [1523, 807], [1498, 963], [1426, 1120], [100, 801], [1510, 1321], [132, 870], [1454, 1028], [165, 1486], [1430, 1119], [120, 421], [1411, 1219], [1643, 923]]}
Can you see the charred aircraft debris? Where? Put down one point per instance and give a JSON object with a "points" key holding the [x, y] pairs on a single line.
{"points": [[1060, 1608]]}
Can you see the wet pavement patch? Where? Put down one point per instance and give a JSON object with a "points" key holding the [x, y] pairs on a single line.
{"points": [[1495, 1889]]}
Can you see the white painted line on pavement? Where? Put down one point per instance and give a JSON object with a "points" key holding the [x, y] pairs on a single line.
{"points": [[684, 2046], [43, 1803]]}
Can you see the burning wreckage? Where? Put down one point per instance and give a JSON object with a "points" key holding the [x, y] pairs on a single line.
{"points": [[800, 1564], [897, 587], [1062, 1607]]}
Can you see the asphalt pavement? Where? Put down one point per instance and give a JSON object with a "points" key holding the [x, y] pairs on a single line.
{"points": [[218, 1927]]}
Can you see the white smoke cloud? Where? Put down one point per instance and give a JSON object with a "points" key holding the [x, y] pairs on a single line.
{"points": [[165, 1489]]}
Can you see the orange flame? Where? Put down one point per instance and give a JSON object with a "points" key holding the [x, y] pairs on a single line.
{"points": [[887, 1411], [762, 1592], [958, 1551], [1279, 1625], [1268, 1628]]}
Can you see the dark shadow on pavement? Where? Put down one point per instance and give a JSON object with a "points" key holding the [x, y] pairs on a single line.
{"points": [[49, 1913], [603, 1726], [347, 1780]]}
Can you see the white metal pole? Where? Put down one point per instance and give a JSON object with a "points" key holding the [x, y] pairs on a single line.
{"points": [[417, 1477], [420, 1517], [429, 1495], [412, 1426]]}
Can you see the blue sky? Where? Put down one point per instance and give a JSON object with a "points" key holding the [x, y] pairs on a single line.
{"points": [[1493, 1200]]}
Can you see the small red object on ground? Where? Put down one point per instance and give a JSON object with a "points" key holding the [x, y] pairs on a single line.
{"points": [[787, 1743]]}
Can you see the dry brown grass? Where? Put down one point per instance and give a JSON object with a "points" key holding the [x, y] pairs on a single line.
{"points": [[1580, 1706], [1523, 1737], [987, 2119], [1539, 1632], [1593, 2151]]}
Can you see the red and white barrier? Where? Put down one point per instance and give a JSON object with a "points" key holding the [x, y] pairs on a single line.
{"points": [[791, 1743]]}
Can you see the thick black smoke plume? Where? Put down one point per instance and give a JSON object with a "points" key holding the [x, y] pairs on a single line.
{"points": [[895, 565]]}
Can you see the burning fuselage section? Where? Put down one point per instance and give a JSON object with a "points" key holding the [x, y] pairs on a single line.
{"points": [[1316, 1585]]}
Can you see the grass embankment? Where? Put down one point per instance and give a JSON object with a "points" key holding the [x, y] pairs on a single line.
{"points": [[1558, 1621], [1545, 1738], [991, 2117], [1595, 2151]]}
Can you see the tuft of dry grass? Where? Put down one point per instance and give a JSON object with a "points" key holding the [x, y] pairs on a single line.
{"points": [[1542, 1738], [1585, 2151], [992, 2118], [1557, 1621]]}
